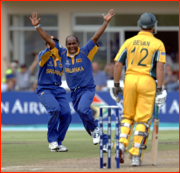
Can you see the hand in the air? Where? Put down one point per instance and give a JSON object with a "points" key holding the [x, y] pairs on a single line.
{"points": [[5, 58], [109, 15], [34, 19]]}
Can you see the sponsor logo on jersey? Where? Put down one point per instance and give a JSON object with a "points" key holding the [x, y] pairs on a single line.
{"points": [[60, 65], [78, 60], [50, 63], [67, 62], [163, 53]]}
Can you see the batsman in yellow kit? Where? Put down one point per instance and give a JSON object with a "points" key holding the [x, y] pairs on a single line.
{"points": [[143, 57]]}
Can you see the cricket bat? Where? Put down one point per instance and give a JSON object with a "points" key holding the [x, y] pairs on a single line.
{"points": [[154, 149]]}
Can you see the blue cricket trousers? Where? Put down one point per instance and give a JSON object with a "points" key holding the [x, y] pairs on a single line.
{"points": [[82, 99], [54, 99]]}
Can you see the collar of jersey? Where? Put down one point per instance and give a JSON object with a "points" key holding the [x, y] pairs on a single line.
{"points": [[145, 33], [74, 55]]}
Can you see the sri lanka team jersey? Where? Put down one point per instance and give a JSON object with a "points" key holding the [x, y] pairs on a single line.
{"points": [[50, 68], [78, 69], [140, 53]]}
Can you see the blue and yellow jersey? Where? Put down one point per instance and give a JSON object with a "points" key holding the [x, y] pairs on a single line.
{"points": [[50, 68], [140, 53], [78, 69]]}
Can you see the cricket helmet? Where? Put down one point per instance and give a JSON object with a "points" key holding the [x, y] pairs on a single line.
{"points": [[147, 21]]}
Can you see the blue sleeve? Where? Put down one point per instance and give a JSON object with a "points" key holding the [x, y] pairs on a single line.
{"points": [[43, 52], [90, 49], [60, 48], [89, 46], [43, 56]]}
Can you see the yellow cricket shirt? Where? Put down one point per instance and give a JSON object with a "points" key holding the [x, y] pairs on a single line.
{"points": [[140, 53]]}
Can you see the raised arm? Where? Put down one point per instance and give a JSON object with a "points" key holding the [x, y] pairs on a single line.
{"points": [[8, 63], [35, 22], [34, 64], [99, 32]]}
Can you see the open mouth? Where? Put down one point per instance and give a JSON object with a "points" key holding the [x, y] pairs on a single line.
{"points": [[72, 51]]}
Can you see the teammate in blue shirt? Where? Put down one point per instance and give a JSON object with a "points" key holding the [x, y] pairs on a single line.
{"points": [[77, 67], [53, 97]]}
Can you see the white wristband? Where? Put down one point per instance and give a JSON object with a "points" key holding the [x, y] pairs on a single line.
{"points": [[37, 26]]}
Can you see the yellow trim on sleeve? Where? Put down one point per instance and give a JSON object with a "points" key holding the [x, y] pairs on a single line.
{"points": [[44, 59], [93, 52], [55, 51]]}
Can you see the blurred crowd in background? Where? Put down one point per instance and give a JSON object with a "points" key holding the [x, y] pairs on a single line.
{"points": [[20, 77]]}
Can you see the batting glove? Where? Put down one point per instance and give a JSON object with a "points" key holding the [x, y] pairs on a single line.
{"points": [[160, 97], [115, 91]]}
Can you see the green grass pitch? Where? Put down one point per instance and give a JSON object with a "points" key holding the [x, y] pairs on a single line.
{"points": [[20, 148]]}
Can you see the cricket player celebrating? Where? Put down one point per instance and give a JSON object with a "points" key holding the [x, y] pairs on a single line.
{"points": [[144, 57], [77, 67], [52, 96]]}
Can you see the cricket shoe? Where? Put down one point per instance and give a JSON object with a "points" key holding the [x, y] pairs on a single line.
{"points": [[121, 152], [105, 147], [53, 146], [136, 161], [96, 136], [61, 148]]}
